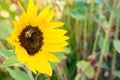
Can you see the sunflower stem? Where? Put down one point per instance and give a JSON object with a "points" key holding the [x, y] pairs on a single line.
{"points": [[28, 72], [36, 77]]}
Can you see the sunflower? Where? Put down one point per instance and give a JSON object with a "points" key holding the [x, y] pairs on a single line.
{"points": [[36, 37]]}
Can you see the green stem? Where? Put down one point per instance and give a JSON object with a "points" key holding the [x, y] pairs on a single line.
{"points": [[59, 73], [98, 30], [96, 39], [65, 73], [114, 53], [90, 23], [92, 6], [77, 39], [104, 44], [84, 38], [91, 13]]}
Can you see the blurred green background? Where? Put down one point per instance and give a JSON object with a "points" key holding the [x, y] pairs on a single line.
{"points": [[93, 52]]}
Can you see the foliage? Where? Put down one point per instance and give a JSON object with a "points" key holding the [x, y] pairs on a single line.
{"points": [[94, 45]]}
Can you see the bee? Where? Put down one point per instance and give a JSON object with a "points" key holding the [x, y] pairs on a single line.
{"points": [[28, 33]]}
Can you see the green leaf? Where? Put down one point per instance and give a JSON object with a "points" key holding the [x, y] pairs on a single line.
{"points": [[100, 44], [117, 73], [104, 23], [6, 53], [5, 29], [79, 1], [17, 74], [117, 13], [86, 68], [96, 1], [79, 13], [78, 77], [67, 50], [10, 62], [99, 1], [116, 44], [105, 66], [2, 75]]}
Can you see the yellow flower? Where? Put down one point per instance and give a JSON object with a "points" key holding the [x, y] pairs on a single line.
{"points": [[35, 37]]}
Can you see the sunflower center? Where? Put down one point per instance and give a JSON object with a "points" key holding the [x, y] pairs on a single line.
{"points": [[31, 39]]}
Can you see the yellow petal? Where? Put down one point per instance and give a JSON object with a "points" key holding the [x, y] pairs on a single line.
{"points": [[55, 39], [30, 63], [53, 25], [13, 40], [42, 65], [30, 6], [15, 23], [36, 62], [23, 22], [42, 16], [32, 11], [52, 48], [51, 57], [17, 28], [21, 53], [44, 20], [59, 44], [54, 33], [49, 17], [46, 66], [38, 66]]}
